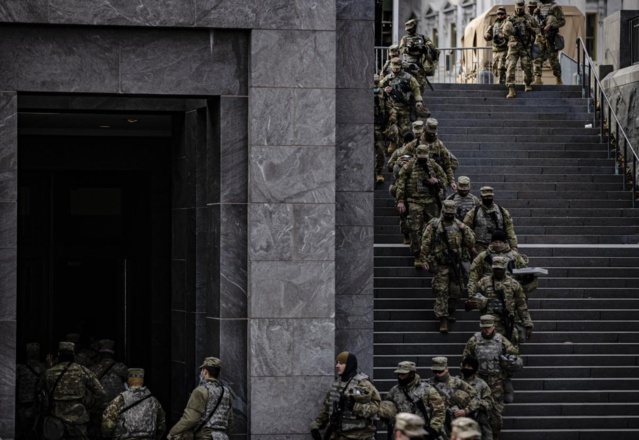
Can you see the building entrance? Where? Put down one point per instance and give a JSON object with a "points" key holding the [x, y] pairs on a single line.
{"points": [[94, 231]]}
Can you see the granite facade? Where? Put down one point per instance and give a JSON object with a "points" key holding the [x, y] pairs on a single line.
{"points": [[272, 177]]}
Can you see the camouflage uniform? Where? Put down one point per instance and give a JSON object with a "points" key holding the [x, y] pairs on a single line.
{"points": [[144, 420], [356, 421], [434, 250], [550, 13], [382, 110], [457, 394], [393, 52], [419, 197], [482, 264], [438, 151], [514, 300], [520, 33], [200, 406], [405, 93], [486, 220], [488, 350], [486, 403], [27, 377], [500, 46], [463, 204], [419, 54], [404, 398], [70, 399]]}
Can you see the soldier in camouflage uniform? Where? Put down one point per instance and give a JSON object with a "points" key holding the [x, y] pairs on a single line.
{"points": [[500, 45], [209, 411], [520, 33], [459, 397], [442, 246], [357, 398], [135, 413], [438, 151], [75, 389], [550, 17], [419, 193], [407, 395], [382, 111], [469, 367], [405, 95], [487, 218], [488, 346], [502, 297], [465, 201], [83, 356], [112, 376], [393, 52], [418, 54], [28, 375]]}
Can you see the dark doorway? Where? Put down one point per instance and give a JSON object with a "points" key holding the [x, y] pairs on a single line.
{"points": [[94, 230]]}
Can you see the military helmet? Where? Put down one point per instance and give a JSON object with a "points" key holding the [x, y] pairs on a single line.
{"points": [[410, 425], [449, 207], [393, 48], [410, 24]]}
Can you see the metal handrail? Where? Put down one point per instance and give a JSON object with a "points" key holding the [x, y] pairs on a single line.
{"points": [[592, 89]]}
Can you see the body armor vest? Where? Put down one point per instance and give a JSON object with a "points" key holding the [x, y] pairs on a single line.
{"points": [[349, 420], [545, 10], [487, 352], [463, 204], [220, 419], [415, 46], [401, 84], [519, 28], [499, 43], [140, 420], [416, 393], [487, 222], [445, 389]]}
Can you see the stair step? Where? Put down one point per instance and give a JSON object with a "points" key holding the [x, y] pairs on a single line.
{"points": [[534, 304], [464, 155], [515, 114], [504, 145], [445, 124], [427, 323], [393, 220], [539, 293]]}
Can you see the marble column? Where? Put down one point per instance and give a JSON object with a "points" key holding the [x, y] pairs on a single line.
{"points": [[8, 257]]}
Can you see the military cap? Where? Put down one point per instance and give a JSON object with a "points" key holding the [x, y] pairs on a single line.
{"points": [[532, 3], [211, 362], [411, 23], [499, 235], [449, 207], [66, 346], [463, 182], [418, 126], [405, 367], [500, 262], [487, 191], [396, 61], [136, 372], [72, 337], [440, 363], [431, 125], [501, 9], [421, 151], [486, 321], [107, 346], [33, 349], [465, 428], [393, 48], [520, 4], [410, 425]]}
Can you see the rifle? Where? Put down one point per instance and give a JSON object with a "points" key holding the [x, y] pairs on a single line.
{"points": [[335, 421], [432, 434], [516, 32], [506, 319], [453, 260], [433, 188], [415, 68]]}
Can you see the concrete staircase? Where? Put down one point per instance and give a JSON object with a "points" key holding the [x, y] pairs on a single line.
{"points": [[581, 379]]}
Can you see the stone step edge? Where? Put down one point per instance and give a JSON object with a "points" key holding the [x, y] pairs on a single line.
{"points": [[538, 245]]}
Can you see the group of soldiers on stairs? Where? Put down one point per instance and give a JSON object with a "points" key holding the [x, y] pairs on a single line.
{"points": [[468, 243], [85, 393]]}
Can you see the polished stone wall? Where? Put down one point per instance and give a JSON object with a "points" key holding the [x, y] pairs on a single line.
{"points": [[272, 259]]}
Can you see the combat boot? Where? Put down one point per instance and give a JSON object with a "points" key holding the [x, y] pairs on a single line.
{"points": [[538, 81], [528, 88], [379, 179], [559, 81], [406, 238], [443, 325], [511, 92], [391, 148], [418, 263]]}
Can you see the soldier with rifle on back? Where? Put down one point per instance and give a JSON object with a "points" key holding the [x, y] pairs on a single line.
{"points": [[350, 405], [550, 17], [521, 34], [441, 252], [419, 55]]}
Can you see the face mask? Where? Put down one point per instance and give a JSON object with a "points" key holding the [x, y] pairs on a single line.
{"points": [[405, 381], [487, 202], [431, 136], [499, 274], [422, 160], [449, 217], [467, 372]]}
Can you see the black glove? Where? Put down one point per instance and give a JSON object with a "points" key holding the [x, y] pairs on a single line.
{"points": [[315, 433]]}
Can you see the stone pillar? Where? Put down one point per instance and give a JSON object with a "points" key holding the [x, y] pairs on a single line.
{"points": [[291, 228], [8, 258]]}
